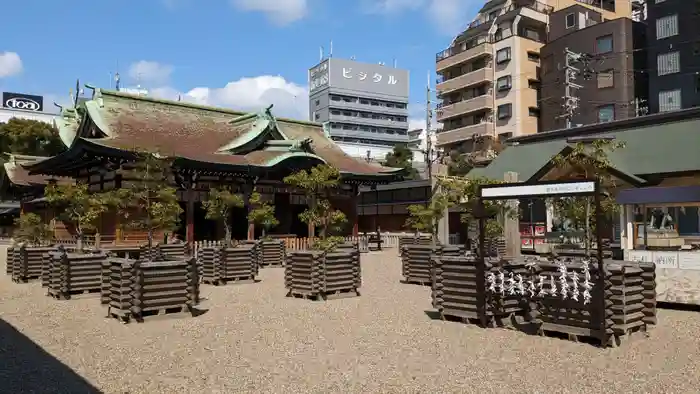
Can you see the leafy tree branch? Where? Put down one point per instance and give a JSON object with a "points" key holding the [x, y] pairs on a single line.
{"points": [[220, 205]]}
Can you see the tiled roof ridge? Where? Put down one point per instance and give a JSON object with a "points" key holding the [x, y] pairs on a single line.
{"points": [[241, 114]]}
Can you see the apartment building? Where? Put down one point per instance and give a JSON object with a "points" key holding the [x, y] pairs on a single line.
{"points": [[674, 58], [364, 104], [609, 79], [489, 82]]}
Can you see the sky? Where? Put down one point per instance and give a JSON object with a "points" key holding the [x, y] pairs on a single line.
{"points": [[242, 54]]}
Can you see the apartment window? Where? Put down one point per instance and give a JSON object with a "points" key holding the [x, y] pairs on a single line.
{"points": [[503, 83], [570, 21], [498, 36], [533, 57], [668, 63], [505, 111], [335, 98], [503, 55], [670, 100], [666, 27], [606, 113], [606, 79], [317, 116], [534, 112], [532, 84], [604, 44]]}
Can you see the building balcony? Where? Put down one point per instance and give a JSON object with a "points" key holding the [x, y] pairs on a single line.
{"points": [[369, 136], [447, 111], [449, 137], [456, 55], [369, 121], [357, 106], [479, 76]]}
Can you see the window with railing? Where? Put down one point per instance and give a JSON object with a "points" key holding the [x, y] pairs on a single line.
{"points": [[607, 5]]}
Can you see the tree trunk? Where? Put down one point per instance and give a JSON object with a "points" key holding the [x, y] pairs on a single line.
{"points": [[79, 243], [227, 236], [150, 239]]}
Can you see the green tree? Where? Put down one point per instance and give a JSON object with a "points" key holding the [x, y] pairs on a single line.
{"points": [[590, 161], [219, 206], [402, 157], [78, 206], [146, 200], [461, 193], [31, 229], [30, 137], [423, 218], [262, 213], [317, 185], [458, 164]]}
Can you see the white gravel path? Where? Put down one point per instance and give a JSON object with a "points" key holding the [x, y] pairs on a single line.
{"points": [[254, 340]]}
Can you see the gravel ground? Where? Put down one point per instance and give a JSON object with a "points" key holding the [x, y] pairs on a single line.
{"points": [[254, 340]]}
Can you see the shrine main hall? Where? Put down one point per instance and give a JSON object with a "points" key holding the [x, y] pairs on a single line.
{"points": [[209, 148]]}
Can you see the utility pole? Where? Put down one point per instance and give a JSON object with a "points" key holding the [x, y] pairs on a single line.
{"points": [[640, 107], [571, 101], [428, 136]]}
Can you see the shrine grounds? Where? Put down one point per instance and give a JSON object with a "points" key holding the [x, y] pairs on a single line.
{"points": [[253, 339]]}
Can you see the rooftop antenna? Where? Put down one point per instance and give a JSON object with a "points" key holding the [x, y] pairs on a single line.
{"points": [[352, 57], [395, 63], [78, 91], [320, 54], [117, 79], [330, 54]]}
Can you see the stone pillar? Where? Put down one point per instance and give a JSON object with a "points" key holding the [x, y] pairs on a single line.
{"points": [[443, 225], [550, 216], [627, 227], [511, 223]]}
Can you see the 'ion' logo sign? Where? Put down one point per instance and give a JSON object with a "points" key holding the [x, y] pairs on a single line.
{"points": [[22, 101]]}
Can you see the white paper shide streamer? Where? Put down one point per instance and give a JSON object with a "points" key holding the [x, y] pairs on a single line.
{"points": [[586, 282], [563, 281], [511, 284], [502, 283], [574, 285], [491, 281]]}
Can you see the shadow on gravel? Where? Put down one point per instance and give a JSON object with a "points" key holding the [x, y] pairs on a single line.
{"points": [[27, 368]]}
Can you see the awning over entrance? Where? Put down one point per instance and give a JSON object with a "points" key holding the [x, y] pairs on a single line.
{"points": [[660, 195]]}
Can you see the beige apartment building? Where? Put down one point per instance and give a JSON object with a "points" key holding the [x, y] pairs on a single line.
{"points": [[488, 79]]}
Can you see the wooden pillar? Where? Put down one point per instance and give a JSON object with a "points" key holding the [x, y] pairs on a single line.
{"points": [[189, 216], [354, 201], [189, 184]]}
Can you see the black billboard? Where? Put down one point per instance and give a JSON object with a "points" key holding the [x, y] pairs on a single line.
{"points": [[27, 102]]}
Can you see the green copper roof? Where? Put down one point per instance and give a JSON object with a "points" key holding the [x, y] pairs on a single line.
{"points": [[665, 148]]}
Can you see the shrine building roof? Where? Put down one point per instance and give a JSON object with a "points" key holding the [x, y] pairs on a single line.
{"points": [[117, 124]]}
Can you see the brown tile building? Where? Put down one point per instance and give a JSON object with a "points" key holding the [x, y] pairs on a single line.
{"points": [[488, 78], [612, 76]]}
